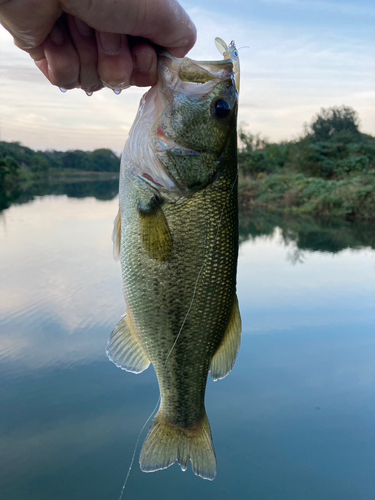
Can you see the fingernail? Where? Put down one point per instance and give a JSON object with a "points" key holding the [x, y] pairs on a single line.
{"points": [[143, 62], [82, 27], [57, 35], [110, 42]]}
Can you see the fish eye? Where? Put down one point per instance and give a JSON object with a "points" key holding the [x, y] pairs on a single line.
{"points": [[221, 109]]}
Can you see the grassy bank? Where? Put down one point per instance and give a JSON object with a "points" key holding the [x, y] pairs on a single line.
{"points": [[289, 192], [329, 172]]}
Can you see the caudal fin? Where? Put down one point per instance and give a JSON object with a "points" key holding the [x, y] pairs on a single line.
{"points": [[166, 444]]}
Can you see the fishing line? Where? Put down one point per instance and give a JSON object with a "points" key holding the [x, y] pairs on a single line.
{"points": [[136, 446], [201, 270]]}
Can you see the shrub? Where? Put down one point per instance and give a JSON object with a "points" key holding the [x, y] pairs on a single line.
{"points": [[333, 121], [257, 155]]}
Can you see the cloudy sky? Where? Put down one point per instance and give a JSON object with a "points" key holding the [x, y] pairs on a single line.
{"points": [[302, 55]]}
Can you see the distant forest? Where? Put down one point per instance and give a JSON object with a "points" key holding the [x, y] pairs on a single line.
{"points": [[24, 172], [41, 162]]}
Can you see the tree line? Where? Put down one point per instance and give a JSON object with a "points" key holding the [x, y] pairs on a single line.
{"points": [[40, 162], [329, 170], [20, 165], [332, 147]]}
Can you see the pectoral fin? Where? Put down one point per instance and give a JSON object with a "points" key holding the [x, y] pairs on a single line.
{"points": [[116, 236], [155, 233], [225, 357], [124, 348]]}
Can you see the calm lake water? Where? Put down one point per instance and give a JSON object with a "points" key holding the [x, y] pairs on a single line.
{"points": [[295, 420]]}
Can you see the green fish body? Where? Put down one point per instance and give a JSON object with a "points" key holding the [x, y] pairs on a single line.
{"points": [[177, 236]]}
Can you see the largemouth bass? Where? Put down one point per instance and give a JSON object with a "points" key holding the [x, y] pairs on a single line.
{"points": [[177, 235]]}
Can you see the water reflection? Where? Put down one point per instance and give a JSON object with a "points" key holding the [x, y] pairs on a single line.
{"points": [[294, 420], [57, 275], [73, 188], [308, 233]]}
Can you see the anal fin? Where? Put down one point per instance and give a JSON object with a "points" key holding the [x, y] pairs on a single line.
{"points": [[124, 348], [225, 357]]}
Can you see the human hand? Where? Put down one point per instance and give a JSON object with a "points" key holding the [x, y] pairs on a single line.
{"points": [[89, 44]]}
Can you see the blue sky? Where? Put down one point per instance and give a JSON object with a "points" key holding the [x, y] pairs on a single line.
{"points": [[302, 56]]}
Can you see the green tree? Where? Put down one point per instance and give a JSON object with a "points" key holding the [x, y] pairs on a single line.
{"points": [[77, 160], [104, 160], [257, 155], [9, 181], [9, 169], [332, 121], [39, 165]]}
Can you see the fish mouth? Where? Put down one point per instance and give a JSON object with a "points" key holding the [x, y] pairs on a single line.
{"points": [[188, 70], [174, 71]]}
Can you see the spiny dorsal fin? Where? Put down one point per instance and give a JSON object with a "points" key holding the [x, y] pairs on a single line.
{"points": [[155, 233], [116, 236], [166, 444], [124, 348], [225, 357]]}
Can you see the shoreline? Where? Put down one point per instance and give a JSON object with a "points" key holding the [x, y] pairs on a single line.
{"points": [[350, 199]]}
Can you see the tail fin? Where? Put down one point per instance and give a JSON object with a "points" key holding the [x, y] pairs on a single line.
{"points": [[166, 444]]}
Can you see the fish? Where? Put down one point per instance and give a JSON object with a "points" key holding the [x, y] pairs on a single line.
{"points": [[176, 234]]}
